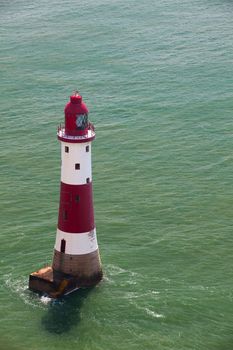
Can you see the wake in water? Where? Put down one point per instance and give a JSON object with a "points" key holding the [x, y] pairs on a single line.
{"points": [[112, 271], [117, 277], [19, 287], [144, 300]]}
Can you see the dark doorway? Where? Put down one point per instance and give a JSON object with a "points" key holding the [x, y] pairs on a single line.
{"points": [[63, 246]]}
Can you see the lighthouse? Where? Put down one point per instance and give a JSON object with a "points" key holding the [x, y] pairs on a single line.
{"points": [[76, 261]]}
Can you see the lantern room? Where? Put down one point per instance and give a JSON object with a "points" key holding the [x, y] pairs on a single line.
{"points": [[76, 116]]}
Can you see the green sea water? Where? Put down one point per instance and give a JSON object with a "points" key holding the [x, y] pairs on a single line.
{"points": [[157, 77]]}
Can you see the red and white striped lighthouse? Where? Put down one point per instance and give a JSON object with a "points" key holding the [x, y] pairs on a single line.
{"points": [[76, 260]]}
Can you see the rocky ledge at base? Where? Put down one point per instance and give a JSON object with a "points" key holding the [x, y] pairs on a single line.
{"points": [[47, 281]]}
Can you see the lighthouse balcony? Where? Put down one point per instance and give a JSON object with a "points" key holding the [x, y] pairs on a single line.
{"points": [[62, 135]]}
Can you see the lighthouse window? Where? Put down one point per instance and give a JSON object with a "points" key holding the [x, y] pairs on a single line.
{"points": [[77, 198], [66, 149], [64, 214], [63, 246], [88, 180], [82, 121], [87, 148], [77, 166]]}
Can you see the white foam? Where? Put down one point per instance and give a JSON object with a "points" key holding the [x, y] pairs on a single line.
{"points": [[153, 313], [149, 311], [45, 299], [114, 270], [20, 288]]}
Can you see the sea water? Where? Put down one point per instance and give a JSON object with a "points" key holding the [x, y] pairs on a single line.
{"points": [[157, 77]]}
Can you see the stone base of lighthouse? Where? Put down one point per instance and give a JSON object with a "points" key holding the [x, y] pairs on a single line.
{"points": [[85, 268], [68, 273]]}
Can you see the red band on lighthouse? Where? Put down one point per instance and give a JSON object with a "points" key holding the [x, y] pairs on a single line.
{"points": [[76, 214]]}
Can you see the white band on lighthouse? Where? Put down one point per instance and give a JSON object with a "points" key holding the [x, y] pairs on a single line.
{"points": [[76, 163], [77, 243]]}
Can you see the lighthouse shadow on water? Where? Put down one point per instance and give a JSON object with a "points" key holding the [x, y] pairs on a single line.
{"points": [[68, 309]]}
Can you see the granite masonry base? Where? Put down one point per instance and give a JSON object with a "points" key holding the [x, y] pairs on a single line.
{"points": [[56, 284]]}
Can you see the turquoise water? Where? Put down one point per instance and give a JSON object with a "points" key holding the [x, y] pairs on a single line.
{"points": [[157, 77]]}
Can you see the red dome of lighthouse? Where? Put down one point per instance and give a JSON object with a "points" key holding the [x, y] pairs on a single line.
{"points": [[76, 116]]}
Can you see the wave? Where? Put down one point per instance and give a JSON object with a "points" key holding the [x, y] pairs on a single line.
{"points": [[19, 287]]}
